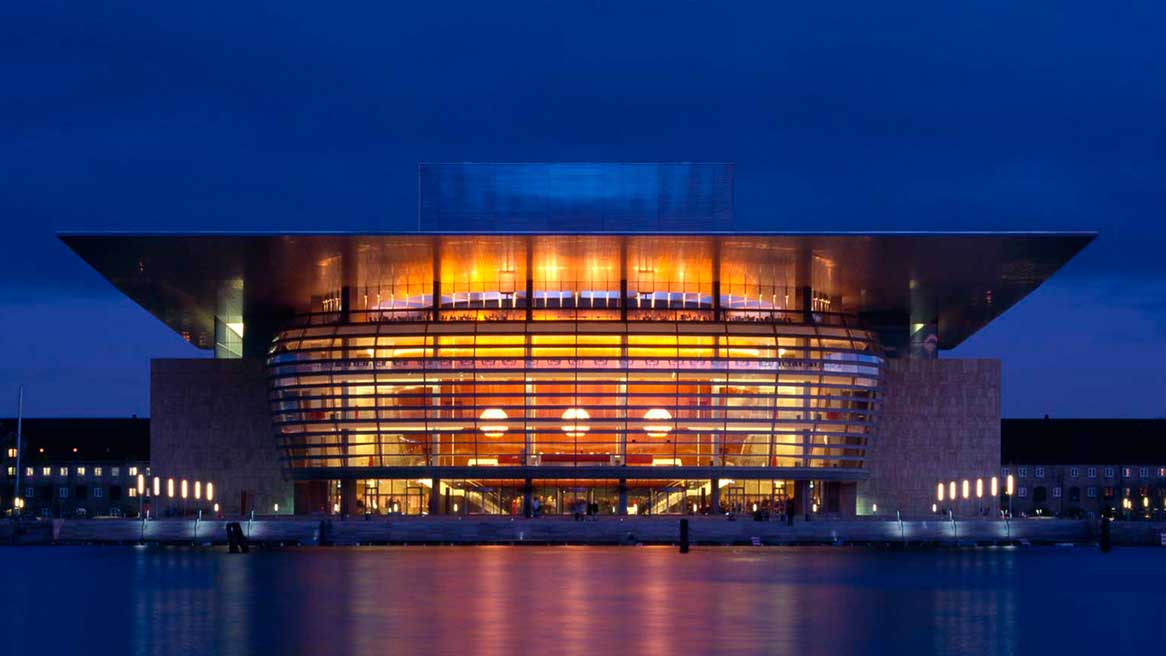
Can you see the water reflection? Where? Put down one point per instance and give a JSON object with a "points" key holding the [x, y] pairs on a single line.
{"points": [[576, 600]]}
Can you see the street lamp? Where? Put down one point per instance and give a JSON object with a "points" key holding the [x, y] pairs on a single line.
{"points": [[1009, 488]]}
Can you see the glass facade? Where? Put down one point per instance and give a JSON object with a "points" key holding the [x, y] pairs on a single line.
{"points": [[471, 373], [661, 394]]}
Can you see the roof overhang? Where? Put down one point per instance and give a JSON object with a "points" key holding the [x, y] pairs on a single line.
{"points": [[969, 277]]}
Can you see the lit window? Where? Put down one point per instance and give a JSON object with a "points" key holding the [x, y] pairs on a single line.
{"points": [[1022, 472], [133, 492], [1091, 472], [28, 471], [1040, 472], [1109, 472], [98, 492], [1125, 472], [80, 471], [1091, 492], [63, 492], [115, 471], [1074, 472], [97, 472], [12, 453], [1162, 471], [46, 471], [133, 471], [1144, 472], [1057, 492], [1022, 491], [63, 471], [11, 471]]}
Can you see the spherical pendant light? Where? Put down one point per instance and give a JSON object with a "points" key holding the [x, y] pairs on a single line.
{"points": [[574, 418], [492, 422], [660, 422]]}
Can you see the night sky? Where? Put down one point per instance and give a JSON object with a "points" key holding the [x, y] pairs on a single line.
{"points": [[851, 116]]}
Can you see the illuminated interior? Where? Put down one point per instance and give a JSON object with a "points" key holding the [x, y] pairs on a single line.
{"points": [[660, 394], [509, 358]]}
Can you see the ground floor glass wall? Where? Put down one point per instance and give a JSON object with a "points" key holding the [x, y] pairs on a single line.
{"points": [[506, 497]]}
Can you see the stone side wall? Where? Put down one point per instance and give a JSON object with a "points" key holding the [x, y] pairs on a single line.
{"points": [[209, 420], [939, 420]]}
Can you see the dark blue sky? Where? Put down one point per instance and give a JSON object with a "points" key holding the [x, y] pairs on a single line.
{"points": [[985, 115]]}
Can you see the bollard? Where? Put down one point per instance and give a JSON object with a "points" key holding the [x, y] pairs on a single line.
{"points": [[684, 535], [236, 541], [324, 533], [1104, 542]]}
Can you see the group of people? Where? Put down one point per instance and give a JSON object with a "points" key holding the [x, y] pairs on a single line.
{"points": [[758, 317]]}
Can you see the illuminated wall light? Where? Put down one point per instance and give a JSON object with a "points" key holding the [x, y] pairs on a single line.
{"points": [[197, 489], [210, 491], [170, 488], [951, 491], [157, 486], [216, 507], [966, 488], [495, 428], [658, 429], [141, 484], [995, 487], [1009, 485], [276, 507], [575, 416], [979, 488], [934, 508], [182, 488], [939, 492], [874, 507]]}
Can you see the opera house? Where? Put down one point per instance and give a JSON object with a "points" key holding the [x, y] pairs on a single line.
{"points": [[585, 335]]}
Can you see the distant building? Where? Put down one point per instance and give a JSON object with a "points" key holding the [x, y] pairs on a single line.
{"points": [[1084, 467], [76, 467]]}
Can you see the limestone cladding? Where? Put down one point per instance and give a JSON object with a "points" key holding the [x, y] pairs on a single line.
{"points": [[210, 421], [939, 420]]}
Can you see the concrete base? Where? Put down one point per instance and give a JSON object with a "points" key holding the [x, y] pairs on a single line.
{"points": [[604, 531]]}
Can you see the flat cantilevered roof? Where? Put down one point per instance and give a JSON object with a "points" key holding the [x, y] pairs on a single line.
{"points": [[967, 278]]}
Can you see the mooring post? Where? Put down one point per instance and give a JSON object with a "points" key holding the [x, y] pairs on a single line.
{"points": [[684, 535], [236, 541], [1105, 541]]}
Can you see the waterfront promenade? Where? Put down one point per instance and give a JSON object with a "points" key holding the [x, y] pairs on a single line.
{"points": [[557, 530]]}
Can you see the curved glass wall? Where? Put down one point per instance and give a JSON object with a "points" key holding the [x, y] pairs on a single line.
{"points": [[508, 393]]}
